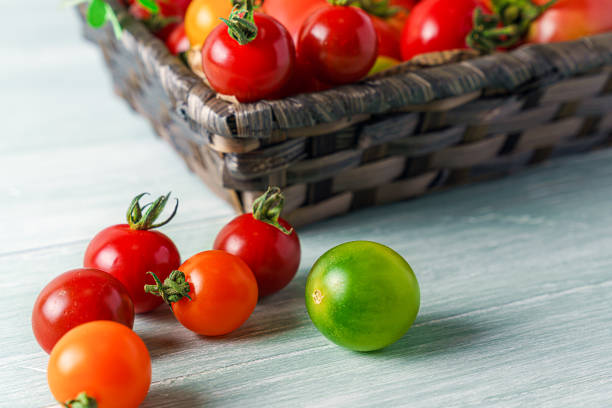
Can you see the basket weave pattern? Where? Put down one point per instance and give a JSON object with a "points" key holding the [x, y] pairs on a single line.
{"points": [[446, 118]]}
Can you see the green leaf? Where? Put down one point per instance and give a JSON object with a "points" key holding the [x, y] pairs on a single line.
{"points": [[112, 17], [150, 5], [96, 13]]}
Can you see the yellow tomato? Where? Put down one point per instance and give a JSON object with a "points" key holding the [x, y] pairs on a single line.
{"points": [[203, 16], [383, 63]]}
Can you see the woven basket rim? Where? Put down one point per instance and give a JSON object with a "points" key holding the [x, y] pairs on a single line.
{"points": [[407, 85]]}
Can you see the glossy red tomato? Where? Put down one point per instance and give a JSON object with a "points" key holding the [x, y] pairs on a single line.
{"points": [[177, 41], [267, 243], [570, 20], [76, 297], [129, 251], [293, 13], [213, 293], [438, 25], [253, 71], [340, 42], [101, 364]]}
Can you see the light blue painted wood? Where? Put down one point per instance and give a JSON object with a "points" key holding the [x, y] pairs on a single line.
{"points": [[515, 274]]}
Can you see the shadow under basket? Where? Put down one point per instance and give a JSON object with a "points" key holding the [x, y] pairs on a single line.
{"points": [[441, 119]]}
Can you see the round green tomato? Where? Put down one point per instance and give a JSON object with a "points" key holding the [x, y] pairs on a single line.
{"points": [[362, 295]]}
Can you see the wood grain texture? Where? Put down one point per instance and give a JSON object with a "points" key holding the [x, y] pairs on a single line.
{"points": [[515, 274]]}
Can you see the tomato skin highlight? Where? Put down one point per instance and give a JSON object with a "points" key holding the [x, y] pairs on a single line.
{"points": [[104, 359], [223, 293], [272, 256], [438, 25], [569, 20], [76, 297], [362, 295], [128, 255], [177, 42], [253, 71], [340, 42]]}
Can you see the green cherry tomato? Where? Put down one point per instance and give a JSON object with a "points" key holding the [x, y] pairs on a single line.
{"points": [[362, 295]]}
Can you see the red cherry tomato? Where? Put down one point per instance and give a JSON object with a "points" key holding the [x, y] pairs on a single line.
{"points": [[177, 41], [293, 13], [438, 25], [252, 71], [388, 38], [76, 297], [213, 294], [129, 251], [570, 20], [101, 361], [340, 42], [268, 244]]}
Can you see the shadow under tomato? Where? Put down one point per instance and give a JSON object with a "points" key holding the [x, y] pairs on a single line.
{"points": [[160, 331], [278, 313], [174, 395], [433, 334]]}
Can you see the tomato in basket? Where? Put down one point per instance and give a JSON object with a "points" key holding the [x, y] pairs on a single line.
{"points": [[202, 17], [438, 25], [339, 43], [250, 56]]}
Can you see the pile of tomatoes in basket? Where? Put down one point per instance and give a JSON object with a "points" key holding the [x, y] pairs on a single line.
{"points": [[252, 49], [361, 295]]}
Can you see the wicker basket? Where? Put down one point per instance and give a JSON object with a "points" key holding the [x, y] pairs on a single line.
{"points": [[443, 119]]}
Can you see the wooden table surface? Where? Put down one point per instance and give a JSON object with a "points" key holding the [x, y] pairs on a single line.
{"points": [[516, 274]]}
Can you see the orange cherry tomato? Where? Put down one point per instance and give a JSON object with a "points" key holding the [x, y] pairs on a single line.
{"points": [[213, 292], [103, 359], [202, 17]]}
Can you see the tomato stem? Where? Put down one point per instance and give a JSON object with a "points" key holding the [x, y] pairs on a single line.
{"points": [[268, 207], [174, 288], [137, 220], [507, 26], [241, 22], [81, 401]]}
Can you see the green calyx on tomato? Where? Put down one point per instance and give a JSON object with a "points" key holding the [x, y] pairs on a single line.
{"points": [[81, 401], [137, 220], [268, 207], [362, 295], [174, 288], [506, 26], [241, 23]]}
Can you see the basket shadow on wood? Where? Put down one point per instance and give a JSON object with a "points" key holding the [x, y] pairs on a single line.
{"points": [[442, 119]]}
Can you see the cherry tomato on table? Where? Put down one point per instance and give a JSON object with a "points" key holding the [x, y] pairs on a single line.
{"points": [[76, 297], [438, 25], [213, 293], [129, 251], [100, 362], [202, 17], [340, 43], [362, 295], [251, 64], [267, 243]]}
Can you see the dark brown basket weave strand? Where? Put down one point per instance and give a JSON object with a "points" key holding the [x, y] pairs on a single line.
{"points": [[443, 119]]}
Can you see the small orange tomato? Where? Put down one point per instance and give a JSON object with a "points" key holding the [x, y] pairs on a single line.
{"points": [[202, 17], [104, 360], [212, 294]]}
